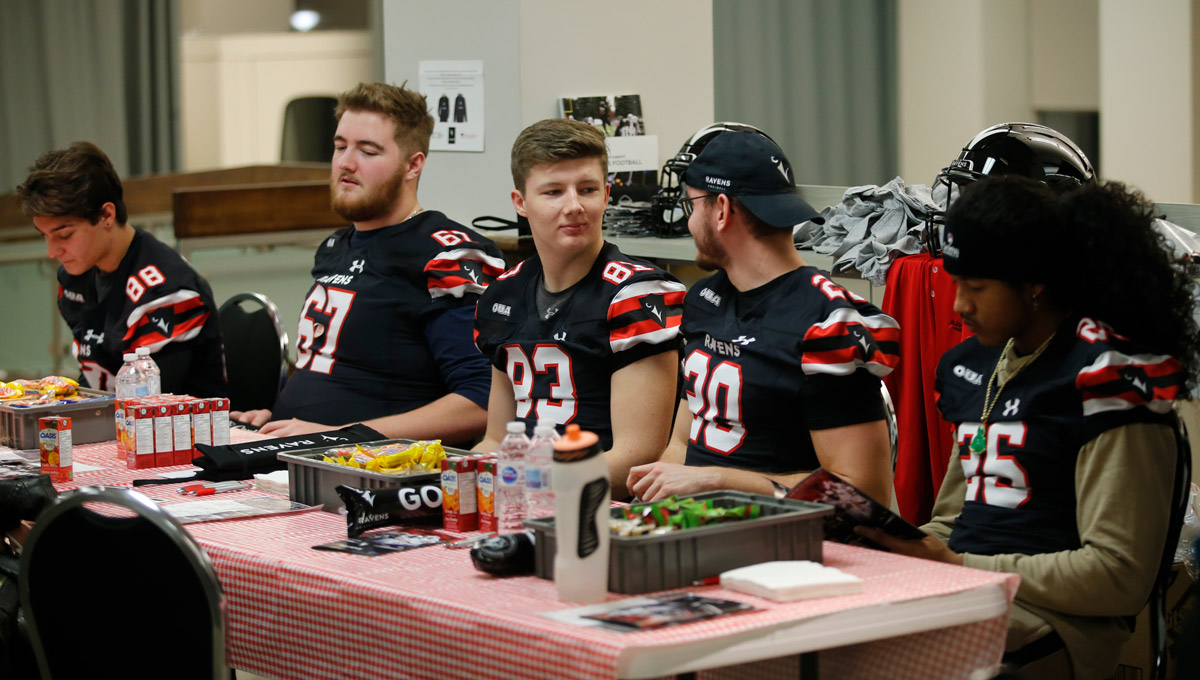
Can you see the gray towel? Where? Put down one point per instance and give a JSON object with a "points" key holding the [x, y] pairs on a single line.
{"points": [[872, 226]]}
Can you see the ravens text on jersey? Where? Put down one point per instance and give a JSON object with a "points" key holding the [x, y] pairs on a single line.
{"points": [[761, 368], [561, 367]]}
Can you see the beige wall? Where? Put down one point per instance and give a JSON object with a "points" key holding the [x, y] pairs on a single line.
{"points": [[664, 53], [535, 51], [1065, 68], [1148, 78], [235, 89], [219, 17], [963, 65]]}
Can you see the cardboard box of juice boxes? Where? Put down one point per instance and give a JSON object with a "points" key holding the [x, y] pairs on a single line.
{"points": [[163, 429]]}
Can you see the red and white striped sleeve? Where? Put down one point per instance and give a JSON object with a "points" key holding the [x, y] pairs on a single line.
{"points": [[848, 340], [175, 317], [645, 312], [461, 272]]}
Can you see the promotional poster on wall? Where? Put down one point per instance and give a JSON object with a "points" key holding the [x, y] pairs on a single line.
{"points": [[454, 92]]}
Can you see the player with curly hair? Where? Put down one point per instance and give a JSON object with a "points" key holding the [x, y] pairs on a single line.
{"points": [[1062, 405]]}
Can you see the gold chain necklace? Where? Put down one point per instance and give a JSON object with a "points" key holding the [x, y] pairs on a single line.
{"points": [[979, 441]]}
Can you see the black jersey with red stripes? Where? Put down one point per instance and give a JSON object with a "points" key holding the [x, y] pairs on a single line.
{"points": [[625, 309], [764, 367], [1021, 487], [153, 299], [361, 349]]}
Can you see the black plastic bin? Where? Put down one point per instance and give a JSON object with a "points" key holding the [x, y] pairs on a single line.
{"points": [[786, 530]]}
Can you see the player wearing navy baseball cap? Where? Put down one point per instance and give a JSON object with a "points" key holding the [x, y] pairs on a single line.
{"points": [[781, 365]]}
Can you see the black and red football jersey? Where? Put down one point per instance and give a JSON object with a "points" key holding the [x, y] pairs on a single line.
{"points": [[154, 299], [763, 367], [625, 309], [1021, 489], [361, 348]]}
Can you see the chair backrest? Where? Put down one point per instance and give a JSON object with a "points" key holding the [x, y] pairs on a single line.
{"points": [[1158, 596], [125, 590], [893, 426], [256, 350], [308, 129]]}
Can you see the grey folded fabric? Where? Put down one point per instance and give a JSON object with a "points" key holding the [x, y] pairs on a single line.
{"points": [[871, 227]]}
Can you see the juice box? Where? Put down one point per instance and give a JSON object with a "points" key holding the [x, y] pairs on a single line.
{"points": [[181, 416], [164, 435], [459, 502], [487, 493], [140, 451], [219, 407], [54, 440], [201, 422]]}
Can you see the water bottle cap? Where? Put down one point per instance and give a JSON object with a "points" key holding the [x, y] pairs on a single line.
{"points": [[515, 427], [543, 430], [129, 356], [143, 351], [576, 444]]}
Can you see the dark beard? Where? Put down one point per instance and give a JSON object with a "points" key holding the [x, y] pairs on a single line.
{"points": [[375, 204], [709, 256]]}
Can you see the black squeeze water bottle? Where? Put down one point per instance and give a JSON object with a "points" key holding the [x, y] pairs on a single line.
{"points": [[581, 513]]}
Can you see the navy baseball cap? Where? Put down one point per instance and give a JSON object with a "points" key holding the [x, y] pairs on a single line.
{"points": [[752, 168]]}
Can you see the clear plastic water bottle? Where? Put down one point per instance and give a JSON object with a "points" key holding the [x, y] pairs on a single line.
{"points": [[150, 370], [546, 422], [131, 382], [510, 479], [539, 489]]}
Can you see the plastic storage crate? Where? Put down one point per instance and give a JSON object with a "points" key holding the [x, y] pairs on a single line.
{"points": [[91, 421], [786, 530], [312, 481]]}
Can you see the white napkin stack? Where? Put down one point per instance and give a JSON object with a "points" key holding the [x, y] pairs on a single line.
{"points": [[275, 482], [785, 581]]}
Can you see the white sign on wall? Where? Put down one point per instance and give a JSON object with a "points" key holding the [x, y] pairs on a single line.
{"points": [[454, 91]]}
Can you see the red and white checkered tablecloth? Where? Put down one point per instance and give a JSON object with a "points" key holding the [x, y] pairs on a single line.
{"points": [[296, 613]]}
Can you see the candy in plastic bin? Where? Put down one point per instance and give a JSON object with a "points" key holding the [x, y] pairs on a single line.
{"points": [[11, 390]]}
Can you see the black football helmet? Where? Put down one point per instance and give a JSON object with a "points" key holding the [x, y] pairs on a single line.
{"points": [[670, 182], [1025, 149]]}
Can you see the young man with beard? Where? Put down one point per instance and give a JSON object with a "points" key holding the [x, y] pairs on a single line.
{"points": [[782, 366], [120, 289], [385, 335], [579, 333]]}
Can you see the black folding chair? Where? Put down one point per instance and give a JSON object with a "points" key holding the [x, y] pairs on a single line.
{"points": [[124, 591], [1158, 595], [308, 129], [256, 350]]}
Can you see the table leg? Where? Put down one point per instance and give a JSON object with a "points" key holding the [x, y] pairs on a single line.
{"points": [[808, 666]]}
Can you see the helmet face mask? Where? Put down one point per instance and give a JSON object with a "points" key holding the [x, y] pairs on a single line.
{"points": [[665, 206], [1025, 149]]}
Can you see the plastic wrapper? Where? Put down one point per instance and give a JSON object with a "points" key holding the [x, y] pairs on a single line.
{"points": [[1189, 536], [368, 509], [392, 459]]}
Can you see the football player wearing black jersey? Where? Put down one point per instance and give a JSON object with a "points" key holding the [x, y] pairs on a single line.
{"points": [[782, 366], [1062, 406], [385, 334], [119, 288], [579, 333]]}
